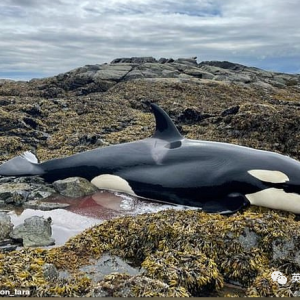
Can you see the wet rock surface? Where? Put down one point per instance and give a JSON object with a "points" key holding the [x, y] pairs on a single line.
{"points": [[36, 231]]}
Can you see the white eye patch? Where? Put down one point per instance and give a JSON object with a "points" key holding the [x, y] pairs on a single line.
{"points": [[269, 176]]}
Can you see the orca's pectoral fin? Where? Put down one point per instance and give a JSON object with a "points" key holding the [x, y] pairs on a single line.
{"points": [[227, 205]]}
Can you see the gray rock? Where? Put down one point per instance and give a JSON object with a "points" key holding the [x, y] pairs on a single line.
{"points": [[221, 77], [74, 187], [296, 294], [14, 193], [106, 265], [215, 70], [224, 65], [243, 78], [36, 231], [17, 191], [100, 78], [37, 204], [187, 61], [134, 74], [64, 275], [196, 72], [126, 287], [112, 72], [29, 179], [5, 242], [134, 60], [41, 192], [156, 70], [5, 226], [50, 272], [282, 249], [8, 248], [7, 179], [248, 239], [163, 60], [263, 85]]}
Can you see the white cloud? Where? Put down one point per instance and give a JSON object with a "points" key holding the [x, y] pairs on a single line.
{"points": [[50, 37]]}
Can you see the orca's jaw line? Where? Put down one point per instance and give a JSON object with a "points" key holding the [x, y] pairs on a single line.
{"points": [[276, 199]]}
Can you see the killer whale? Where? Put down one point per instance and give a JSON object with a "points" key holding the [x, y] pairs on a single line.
{"points": [[216, 177]]}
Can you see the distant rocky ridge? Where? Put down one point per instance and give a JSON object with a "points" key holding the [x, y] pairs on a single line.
{"points": [[101, 77]]}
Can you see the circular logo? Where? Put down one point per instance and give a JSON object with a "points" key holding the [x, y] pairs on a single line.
{"points": [[281, 279], [275, 275]]}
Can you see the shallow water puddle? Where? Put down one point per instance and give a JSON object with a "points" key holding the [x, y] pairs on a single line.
{"points": [[88, 211]]}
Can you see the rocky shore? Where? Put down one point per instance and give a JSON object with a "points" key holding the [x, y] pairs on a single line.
{"points": [[169, 253]]}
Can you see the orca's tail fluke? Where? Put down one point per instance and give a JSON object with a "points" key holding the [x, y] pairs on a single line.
{"points": [[26, 164]]}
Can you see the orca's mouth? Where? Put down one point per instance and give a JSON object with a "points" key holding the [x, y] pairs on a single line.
{"points": [[289, 187]]}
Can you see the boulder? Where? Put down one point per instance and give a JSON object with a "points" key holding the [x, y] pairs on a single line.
{"points": [[19, 190], [153, 70], [187, 61], [50, 272], [248, 239], [196, 72], [5, 226], [112, 72], [74, 187], [41, 192], [14, 193], [34, 232], [224, 65], [107, 264]]}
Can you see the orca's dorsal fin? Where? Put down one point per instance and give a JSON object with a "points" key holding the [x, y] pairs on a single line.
{"points": [[165, 128]]}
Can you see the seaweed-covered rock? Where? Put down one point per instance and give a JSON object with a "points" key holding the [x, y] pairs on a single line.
{"points": [[74, 187], [35, 231], [189, 269], [124, 285], [181, 251], [189, 116]]}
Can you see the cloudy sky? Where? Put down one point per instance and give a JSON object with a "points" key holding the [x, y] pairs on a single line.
{"points": [[40, 38]]}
